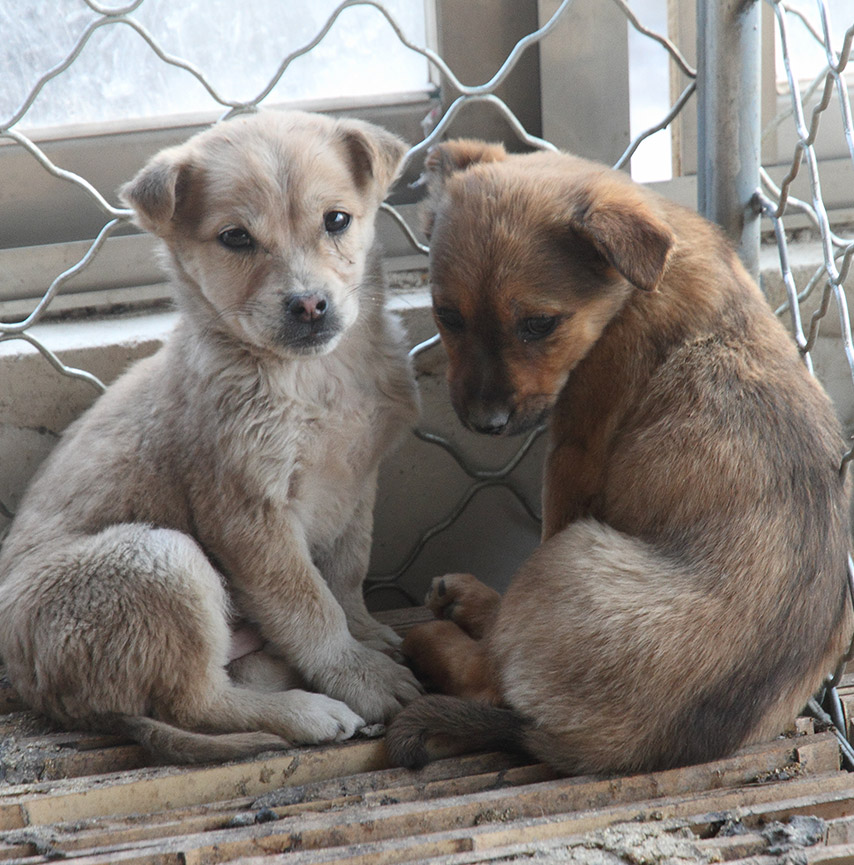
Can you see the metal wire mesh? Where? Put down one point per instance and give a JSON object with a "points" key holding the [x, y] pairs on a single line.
{"points": [[775, 202], [115, 217]]}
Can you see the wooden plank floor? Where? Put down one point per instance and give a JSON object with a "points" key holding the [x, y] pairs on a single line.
{"points": [[87, 798]]}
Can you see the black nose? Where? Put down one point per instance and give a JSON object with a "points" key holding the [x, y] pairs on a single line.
{"points": [[490, 421], [307, 307]]}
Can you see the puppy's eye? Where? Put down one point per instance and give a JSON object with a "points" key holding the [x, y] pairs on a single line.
{"points": [[450, 319], [536, 327], [236, 238], [336, 221]]}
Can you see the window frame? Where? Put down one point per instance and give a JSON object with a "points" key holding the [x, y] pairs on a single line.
{"points": [[126, 270], [48, 224], [778, 145]]}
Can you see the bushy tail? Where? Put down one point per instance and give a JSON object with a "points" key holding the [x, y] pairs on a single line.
{"points": [[469, 724], [169, 744]]}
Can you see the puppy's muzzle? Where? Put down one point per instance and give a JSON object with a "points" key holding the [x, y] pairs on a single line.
{"points": [[308, 321], [503, 418]]}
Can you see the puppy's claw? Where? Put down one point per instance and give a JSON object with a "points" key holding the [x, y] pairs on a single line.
{"points": [[372, 731], [444, 592], [379, 637]]}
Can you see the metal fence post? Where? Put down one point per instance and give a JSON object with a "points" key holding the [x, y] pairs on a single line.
{"points": [[728, 119]]}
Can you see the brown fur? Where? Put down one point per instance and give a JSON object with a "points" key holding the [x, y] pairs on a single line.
{"points": [[230, 478], [690, 592]]}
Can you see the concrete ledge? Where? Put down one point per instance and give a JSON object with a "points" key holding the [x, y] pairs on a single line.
{"points": [[420, 486]]}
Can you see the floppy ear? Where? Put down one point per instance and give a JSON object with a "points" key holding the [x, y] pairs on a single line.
{"points": [[374, 153], [152, 194], [626, 233]]}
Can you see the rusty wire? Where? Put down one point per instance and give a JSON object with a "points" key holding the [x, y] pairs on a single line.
{"points": [[777, 201]]}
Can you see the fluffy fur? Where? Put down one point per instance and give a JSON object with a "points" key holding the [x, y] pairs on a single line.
{"points": [[227, 483], [690, 592]]}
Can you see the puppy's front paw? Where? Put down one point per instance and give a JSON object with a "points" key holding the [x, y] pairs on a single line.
{"points": [[464, 600], [314, 718], [374, 685], [382, 638]]}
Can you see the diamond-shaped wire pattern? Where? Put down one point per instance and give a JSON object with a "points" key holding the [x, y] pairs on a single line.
{"points": [[776, 202]]}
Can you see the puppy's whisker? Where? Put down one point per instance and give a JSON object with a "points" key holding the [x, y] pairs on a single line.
{"points": [[367, 290]]}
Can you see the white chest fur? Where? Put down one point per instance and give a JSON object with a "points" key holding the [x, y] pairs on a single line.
{"points": [[308, 435]]}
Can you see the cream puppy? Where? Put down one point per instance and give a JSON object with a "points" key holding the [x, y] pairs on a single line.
{"points": [[230, 478]]}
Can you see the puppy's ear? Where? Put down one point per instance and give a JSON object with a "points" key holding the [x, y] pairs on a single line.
{"points": [[626, 233], [374, 154], [448, 158], [452, 156], [169, 189], [152, 194]]}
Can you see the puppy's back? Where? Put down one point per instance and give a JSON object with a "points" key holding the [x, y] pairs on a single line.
{"points": [[704, 599]]}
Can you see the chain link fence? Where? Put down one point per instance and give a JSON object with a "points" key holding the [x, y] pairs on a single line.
{"points": [[777, 201], [734, 189]]}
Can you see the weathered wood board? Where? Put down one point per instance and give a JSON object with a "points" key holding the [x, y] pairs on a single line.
{"points": [[88, 798]]}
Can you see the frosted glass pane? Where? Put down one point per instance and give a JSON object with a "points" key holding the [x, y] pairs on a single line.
{"points": [[649, 93], [808, 55], [238, 47]]}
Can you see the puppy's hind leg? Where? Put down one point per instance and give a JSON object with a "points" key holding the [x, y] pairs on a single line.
{"points": [[451, 660], [207, 700], [464, 600], [128, 629]]}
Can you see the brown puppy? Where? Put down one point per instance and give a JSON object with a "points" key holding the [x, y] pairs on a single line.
{"points": [[690, 593], [230, 477]]}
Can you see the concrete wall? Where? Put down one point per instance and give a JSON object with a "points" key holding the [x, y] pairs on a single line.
{"points": [[420, 485]]}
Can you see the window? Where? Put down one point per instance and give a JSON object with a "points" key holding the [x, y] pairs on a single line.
{"points": [[805, 39], [238, 48], [649, 77], [117, 102]]}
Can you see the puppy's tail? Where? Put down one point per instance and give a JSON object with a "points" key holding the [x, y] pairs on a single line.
{"points": [[169, 744], [468, 724]]}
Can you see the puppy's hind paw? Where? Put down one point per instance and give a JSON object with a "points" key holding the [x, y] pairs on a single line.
{"points": [[442, 595], [464, 600]]}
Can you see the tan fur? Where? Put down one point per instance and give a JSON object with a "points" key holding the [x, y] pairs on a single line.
{"points": [[230, 478], [690, 593]]}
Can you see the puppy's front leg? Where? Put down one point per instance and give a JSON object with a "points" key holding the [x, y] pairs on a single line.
{"points": [[344, 565], [283, 591]]}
